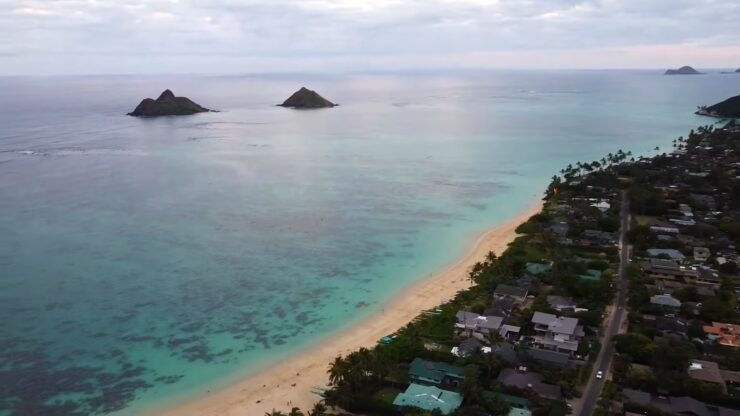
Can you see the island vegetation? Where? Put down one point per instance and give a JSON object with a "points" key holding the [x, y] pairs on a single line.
{"points": [[729, 108], [305, 98], [167, 104]]}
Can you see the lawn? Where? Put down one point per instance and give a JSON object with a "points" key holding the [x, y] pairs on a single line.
{"points": [[387, 394]]}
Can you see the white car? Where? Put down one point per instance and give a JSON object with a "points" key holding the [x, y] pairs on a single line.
{"points": [[599, 374]]}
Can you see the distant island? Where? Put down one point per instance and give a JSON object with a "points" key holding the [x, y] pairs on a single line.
{"points": [[167, 105], [729, 108], [684, 70], [305, 98]]}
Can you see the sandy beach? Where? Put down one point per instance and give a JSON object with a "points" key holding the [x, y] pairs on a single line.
{"points": [[293, 380]]}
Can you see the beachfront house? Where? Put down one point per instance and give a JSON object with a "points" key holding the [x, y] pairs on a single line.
{"points": [[435, 373], [519, 294], [429, 398], [474, 325], [558, 333], [479, 326]]}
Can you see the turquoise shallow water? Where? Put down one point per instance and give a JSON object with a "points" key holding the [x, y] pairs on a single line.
{"points": [[145, 259]]}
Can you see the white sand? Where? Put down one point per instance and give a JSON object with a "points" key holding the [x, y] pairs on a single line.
{"points": [[249, 397]]}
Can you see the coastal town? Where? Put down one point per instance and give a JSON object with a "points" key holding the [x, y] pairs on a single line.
{"points": [[619, 298]]}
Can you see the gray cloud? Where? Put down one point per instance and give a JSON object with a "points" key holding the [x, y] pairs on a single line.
{"points": [[353, 33]]}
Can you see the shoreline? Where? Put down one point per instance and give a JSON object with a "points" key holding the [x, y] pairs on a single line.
{"points": [[294, 379]]}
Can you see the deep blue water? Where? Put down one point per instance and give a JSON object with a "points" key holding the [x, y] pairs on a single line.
{"points": [[145, 259]]}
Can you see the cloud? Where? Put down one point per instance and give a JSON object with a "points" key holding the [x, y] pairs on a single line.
{"points": [[354, 32]]}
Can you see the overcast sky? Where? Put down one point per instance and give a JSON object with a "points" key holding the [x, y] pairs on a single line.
{"points": [[247, 36]]}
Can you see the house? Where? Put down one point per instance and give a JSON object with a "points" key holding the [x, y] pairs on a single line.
{"points": [[597, 238], [509, 332], [683, 405], [501, 306], [518, 411], [707, 276], [706, 201], [665, 300], [435, 373], [429, 398], [561, 303], [670, 325], [707, 371], [506, 352], [559, 228], [602, 206], [472, 324], [724, 334], [468, 348], [659, 229], [529, 381], [701, 254], [591, 275], [537, 269], [557, 333], [672, 254], [665, 269], [551, 357], [517, 293]]}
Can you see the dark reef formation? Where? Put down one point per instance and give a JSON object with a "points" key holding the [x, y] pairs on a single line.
{"points": [[729, 108], [305, 98], [684, 70], [167, 105]]}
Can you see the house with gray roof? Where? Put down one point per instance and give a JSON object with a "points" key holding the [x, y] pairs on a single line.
{"points": [[701, 254], [683, 405], [529, 381], [517, 293], [560, 303], [665, 300], [672, 254], [557, 333], [551, 357], [472, 324]]}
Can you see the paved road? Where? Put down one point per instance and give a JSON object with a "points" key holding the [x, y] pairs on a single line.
{"points": [[604, 360]]}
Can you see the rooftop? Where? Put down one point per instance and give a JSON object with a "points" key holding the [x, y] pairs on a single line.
{"points": [[561, 325], [429, 398], [433, 371], [508, 290]]}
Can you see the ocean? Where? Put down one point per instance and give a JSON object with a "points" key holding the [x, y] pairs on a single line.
{"points": [[147, 260]]}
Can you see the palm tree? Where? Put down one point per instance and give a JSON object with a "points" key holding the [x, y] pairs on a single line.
{"points": [[275, 413], [296, 412], [319, 409], [338, 371]]}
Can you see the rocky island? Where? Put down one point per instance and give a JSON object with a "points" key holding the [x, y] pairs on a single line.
{"points": [[729, 108], [684, 70], [167, 105], [305, 98]]}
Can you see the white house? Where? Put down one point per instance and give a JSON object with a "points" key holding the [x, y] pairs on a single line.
{"points": [[557, 333]]}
